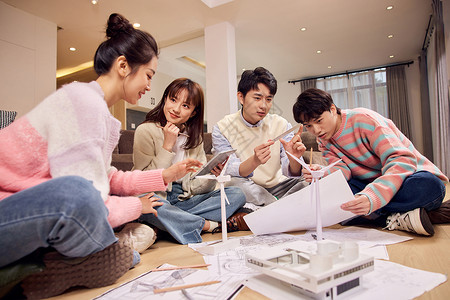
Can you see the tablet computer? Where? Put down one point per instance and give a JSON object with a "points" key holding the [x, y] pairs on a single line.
{"points": [[217, 159]]}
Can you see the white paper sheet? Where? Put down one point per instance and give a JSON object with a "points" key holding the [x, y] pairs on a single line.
{"points": [[297, 211], [365, 237]]}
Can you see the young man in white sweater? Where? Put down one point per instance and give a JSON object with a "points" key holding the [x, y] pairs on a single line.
{"points": [[260, 167]]}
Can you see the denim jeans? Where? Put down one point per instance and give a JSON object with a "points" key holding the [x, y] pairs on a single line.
{"points": [[65, 213], [259, 195], [184, 220], [421, 189]]}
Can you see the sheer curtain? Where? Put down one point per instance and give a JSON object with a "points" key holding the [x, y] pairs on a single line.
{"points": [[441, 153], [364, 89], [425, 106], [398, 98], [307, 84]]}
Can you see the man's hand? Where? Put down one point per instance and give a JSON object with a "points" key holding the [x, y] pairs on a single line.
{"points": [[359, 206], [296, 147], [307, 175], [262, 153], [180, 169], [149, 201], [171, 132]]}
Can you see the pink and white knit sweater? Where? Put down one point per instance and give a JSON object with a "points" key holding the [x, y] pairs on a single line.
{"points": [[72, 132]]}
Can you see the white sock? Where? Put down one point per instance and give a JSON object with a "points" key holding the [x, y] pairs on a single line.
{"points": [[212, 225]]}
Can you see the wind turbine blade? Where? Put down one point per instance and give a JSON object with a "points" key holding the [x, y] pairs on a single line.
{"points": [[301, 161]]}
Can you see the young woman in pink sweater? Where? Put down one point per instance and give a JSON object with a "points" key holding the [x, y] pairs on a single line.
{"points": [[57, 188]]}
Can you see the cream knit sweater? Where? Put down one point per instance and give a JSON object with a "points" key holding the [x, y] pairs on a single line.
{"points": [[149, 154]]}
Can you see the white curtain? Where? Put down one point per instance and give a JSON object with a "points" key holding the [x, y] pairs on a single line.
{"points": [[440, 91], [364, 89], [398, 98]]}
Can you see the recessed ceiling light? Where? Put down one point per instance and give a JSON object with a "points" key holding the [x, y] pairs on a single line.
{"points": [[390, 36], [303, 29], [389, 7], [72, 49], [329, 67], [136, 25], [94, 2], [318, 51], [243, 69], [391, 56]]}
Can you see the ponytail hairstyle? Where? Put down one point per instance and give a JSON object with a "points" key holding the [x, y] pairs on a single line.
{"points": [[193, 126], [138, 46]]}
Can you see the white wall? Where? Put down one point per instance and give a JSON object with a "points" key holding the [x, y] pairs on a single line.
{"points": [[284, 100], [27, 58]]}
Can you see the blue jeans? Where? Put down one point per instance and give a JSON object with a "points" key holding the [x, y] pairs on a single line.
{"points": [[421, 189], [65, 213], [184, 220]]}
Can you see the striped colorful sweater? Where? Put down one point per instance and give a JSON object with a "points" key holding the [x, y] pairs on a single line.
{"points": [[72, 132], [373, 149]]}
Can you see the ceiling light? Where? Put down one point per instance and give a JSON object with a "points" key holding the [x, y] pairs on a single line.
{"points": [[329, 67], [389, 7], [318, 51], [94, 2], [390, 36], [72, 49], [136, 25], [391, 56], [303, 29]]}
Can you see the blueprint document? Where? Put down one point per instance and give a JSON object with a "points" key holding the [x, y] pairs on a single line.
{"points": [[298, 212], [142, 287]]}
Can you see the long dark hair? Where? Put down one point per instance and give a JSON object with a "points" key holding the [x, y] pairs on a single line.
{"points": [[138, 46], [194, 126]]}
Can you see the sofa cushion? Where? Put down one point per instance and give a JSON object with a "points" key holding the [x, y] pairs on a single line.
{"points": [[126, 142], [310, 141], [207, 143], [122, 162]]}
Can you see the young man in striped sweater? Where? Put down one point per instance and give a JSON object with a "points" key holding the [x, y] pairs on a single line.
{"points": [[395, 186]]}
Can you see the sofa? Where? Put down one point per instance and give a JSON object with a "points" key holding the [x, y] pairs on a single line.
{"points": [[122, 157]]}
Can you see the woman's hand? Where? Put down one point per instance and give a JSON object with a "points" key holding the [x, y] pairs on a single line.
{"points": [[180, 169], [359, 206], [150, 201], [171, 132]]}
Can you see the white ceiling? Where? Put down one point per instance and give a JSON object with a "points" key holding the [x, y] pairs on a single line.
{"points": [[351, 34]]}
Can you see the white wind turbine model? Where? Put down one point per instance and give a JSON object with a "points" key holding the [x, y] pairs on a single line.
{"points": [[315, 191], [225, 244]]}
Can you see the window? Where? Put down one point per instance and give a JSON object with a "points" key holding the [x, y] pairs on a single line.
{"points": [[363, 89]]}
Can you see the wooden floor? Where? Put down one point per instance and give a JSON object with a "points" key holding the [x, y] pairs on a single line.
{"points": [[430, 254]]}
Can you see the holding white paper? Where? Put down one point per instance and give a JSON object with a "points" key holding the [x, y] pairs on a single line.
{"points": [[297, 211]]}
